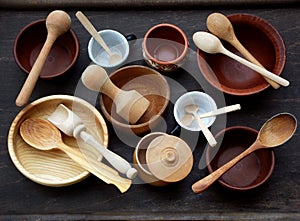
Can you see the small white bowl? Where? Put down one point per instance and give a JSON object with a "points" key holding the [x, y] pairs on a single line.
{"points": [[205, 102], [115, 41]]}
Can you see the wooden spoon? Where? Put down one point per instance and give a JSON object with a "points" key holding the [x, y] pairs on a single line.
{"points": [[57, 23], [193, 109], [276, 131], [211, 44], [43, 135], [114, 58], [187, 119], [130, 105], [219, 25]]}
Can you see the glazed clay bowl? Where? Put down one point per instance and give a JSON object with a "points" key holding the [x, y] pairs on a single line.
{"points": [[149, 83], [262, 40], [250, 172], [30, 41], [54, 167], [165, 47]]}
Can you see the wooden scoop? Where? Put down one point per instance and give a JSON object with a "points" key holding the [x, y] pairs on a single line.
{"points": [[130, 105], [43, 135], [57, 23], [219, 25], [276, 131], [71, 124]]}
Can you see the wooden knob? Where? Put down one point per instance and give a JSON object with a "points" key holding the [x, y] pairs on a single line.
{"points": [[169, 158]]}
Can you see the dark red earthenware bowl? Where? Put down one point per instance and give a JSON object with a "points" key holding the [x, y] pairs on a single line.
{"points": [[249, 173], [30, 41], [262, 40]]}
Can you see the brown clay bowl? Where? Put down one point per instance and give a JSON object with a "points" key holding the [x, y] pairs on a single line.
{"points": [[148, 82], [30, 41], [262, 40], [54, 167], [249, 173]]}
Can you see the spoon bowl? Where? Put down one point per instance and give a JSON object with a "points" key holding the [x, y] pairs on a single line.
{"points": [[276, 131]]}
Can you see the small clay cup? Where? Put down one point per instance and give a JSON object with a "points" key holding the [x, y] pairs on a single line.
{"points": [[115, 41], [165, 47], [149, 83], [30, 41], [205, 102], [250, 172], [262, 40]]}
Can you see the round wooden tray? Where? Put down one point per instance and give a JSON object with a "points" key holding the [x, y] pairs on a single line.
{"points": [[54, 167]]}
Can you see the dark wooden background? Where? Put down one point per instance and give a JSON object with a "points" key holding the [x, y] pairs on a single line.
{"points": [[91, 199]]}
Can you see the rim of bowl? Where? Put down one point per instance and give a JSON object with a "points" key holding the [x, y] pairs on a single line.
{"points": [[153, 119], [192, 94], [269, 30], [177, 60], [32, 105], [156, 134], [93, 41], [37, 22], [225, 184]]}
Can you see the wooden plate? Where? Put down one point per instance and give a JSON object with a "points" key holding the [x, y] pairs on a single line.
{"points": [[54, 167]]}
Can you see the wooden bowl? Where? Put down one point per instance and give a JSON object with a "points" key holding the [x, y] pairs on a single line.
{"points": [[249, 173], [262, 40], [53, 167], [147, 82], [30, 41]]}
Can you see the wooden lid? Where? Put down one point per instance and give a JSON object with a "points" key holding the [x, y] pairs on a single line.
{"points": [[169, 158]]}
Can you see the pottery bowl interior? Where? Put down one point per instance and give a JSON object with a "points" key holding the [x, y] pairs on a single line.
{"points": [[115, 41], [250, 172], [165, 43], [54, 167], [262, 40], [149, 83], [30, 41]]}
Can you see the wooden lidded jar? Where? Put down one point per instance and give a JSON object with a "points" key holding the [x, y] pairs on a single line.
{"points": [[162, 159]]}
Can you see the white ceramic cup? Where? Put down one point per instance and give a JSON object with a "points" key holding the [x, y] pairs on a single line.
{"points": [[115, 41], [205, 102]]}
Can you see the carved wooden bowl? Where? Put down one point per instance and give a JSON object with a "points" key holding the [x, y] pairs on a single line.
{"points": [[148, 82], [262, 40], [53, 167]]}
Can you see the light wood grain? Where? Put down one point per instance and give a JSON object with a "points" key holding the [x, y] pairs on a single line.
{"points": [[54, 168]]}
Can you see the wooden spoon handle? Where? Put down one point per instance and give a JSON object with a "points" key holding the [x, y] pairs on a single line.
{"points": [[100, 170], [91, 29], [115, 160], [222, 110], [204, 183], [208, 135], [34, 74], [257, 68], [252, 59]]}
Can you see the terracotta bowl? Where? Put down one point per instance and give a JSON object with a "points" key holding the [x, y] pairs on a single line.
{"points": [[147, 82], [165, 47], [30, 41], [250, 172], [53, 167], [262, 40]]}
